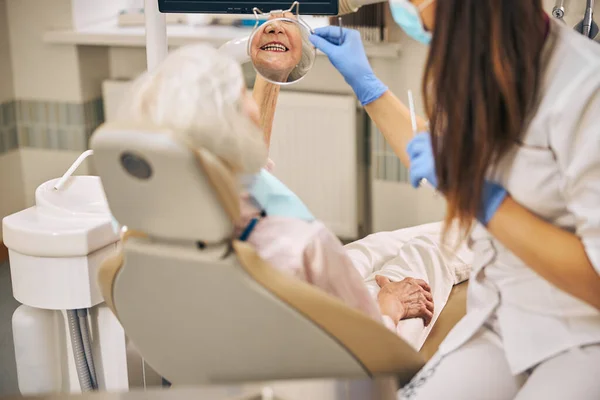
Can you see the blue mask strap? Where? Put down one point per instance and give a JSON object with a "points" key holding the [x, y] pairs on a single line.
{"points": [[248, 230]]}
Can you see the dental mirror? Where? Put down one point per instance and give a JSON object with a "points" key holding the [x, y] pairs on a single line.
{"points": [[280, 49]]}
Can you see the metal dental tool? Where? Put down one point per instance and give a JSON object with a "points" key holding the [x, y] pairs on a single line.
{"points": [[588, 19], [558, 11], [413, 121], [587, 26], [341, 38], [413, 116]]}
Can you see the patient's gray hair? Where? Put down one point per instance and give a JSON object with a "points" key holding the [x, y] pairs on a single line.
{"points": [[308, 56], [196, 92]]}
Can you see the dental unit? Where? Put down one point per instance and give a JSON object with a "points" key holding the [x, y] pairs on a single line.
{"points": [[55, 250]]}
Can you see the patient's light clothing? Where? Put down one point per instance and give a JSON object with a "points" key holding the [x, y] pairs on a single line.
{"points": [[310, 252]]}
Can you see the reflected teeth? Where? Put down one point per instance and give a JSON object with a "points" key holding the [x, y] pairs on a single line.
{"points": [[274, 47]]}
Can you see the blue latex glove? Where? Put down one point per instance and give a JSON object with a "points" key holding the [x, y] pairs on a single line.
{"points": [[422, 166], [493, 195], [350, 60]]}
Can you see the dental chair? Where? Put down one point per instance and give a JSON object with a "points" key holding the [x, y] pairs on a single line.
{"points": [[201, 306]]}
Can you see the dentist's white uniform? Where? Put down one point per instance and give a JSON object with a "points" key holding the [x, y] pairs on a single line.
{"points": [[522, 337]]}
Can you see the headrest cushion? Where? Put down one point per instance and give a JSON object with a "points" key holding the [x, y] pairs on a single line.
{"points": [[155, 184]]}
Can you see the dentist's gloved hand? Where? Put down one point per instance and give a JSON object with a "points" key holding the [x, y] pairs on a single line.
{"points": [[422, 166], [493, 195], [350, 60]]}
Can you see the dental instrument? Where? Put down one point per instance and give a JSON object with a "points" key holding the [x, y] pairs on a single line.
{"points": [[413, 122], [588, 25], [558, 11], [341, 38]]}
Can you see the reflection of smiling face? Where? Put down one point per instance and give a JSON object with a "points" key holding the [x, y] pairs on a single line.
{"points": [[277, 48]]}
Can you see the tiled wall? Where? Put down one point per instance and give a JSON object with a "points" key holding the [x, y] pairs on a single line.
{"points": [[8, 127], [48, 125], [54, 125]]}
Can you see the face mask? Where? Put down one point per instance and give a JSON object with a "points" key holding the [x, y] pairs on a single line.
{"points": [[408, 17], [276, 199]]}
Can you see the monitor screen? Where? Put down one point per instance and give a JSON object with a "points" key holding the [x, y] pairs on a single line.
{"points": [[312, 7]]}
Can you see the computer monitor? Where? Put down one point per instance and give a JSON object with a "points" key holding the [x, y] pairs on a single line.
{"points": [[311, 7]]}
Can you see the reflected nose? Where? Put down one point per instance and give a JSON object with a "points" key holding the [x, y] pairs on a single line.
{"points": [[274, 28]]}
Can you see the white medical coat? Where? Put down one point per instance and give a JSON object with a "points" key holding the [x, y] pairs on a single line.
{"points": [[555, 173]]}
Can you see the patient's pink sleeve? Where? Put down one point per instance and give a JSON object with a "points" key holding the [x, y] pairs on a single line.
{"points": [[328, 266], [310, 252]]}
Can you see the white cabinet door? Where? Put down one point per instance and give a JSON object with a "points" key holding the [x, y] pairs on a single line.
{"points": [[314, 145]]}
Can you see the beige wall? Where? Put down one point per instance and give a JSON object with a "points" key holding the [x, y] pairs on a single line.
{"points": [[11, 182], [42, 71], [7, 91], [50, 72], [41, 165], [94, 68], [12, 196]]}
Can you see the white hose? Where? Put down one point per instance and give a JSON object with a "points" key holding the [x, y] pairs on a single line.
{"points": [[83, 372], [87, 346], [72, 169]]}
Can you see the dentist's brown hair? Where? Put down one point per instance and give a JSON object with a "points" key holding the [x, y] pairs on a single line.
{"points": [[480, 83]]}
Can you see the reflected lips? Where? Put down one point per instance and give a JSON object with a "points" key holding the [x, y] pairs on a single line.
{"points": [[274, 46]]}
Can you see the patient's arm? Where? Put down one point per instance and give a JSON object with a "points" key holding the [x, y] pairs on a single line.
{"points": [[265, 94], [409, 298]]}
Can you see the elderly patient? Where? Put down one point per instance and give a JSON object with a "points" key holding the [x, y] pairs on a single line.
{"points": [[199, 94]]}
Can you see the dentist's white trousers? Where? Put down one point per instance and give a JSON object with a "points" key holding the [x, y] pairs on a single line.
{"points": [[479, 371]]}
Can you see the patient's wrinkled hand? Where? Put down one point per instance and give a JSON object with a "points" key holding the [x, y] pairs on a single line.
{"points": [[409, 298]]}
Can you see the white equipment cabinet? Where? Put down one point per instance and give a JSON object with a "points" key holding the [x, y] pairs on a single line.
{"points": [[55, 250]]}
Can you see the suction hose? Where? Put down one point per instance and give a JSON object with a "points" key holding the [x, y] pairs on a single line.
{"points": [[87, 345], [83, 372]]}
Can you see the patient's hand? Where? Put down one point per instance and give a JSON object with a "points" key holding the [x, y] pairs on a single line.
{"points": [[409, 298]]}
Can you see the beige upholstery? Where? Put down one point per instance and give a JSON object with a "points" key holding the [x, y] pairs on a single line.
{"points": [[210, 314], [455, 309]]}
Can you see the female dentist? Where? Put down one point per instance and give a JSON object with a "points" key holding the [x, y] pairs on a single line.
{"points": [[513, 101]]}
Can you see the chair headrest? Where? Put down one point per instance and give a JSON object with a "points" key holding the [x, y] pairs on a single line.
{"points": [[156, 184]]}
